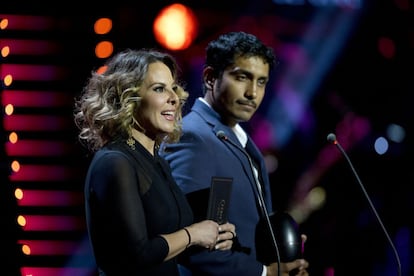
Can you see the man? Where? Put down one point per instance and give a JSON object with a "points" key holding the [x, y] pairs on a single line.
{"points": [[214, 144]]}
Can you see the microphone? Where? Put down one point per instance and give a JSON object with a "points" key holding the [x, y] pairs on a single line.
{"points": [[222, 136], [332, 139]]}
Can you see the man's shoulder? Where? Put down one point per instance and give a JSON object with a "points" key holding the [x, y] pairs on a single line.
{"points": [[193, 120]]}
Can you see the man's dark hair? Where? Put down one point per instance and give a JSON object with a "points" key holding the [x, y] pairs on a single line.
{"points": [[223, 51]]}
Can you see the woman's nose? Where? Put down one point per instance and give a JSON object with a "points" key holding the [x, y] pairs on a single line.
{"points": [[173, 97]]}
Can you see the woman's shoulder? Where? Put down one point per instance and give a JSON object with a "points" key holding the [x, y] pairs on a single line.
{"points": [[111, 152]]}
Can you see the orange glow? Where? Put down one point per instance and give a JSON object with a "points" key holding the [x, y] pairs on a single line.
{"points": [[13, 137], [104, 49], [18, 193], [102, 69], [5, 51], [53, 223], [30, 23], [8, 79], [54, 247], [21, 220], [175, 27], [26, 249], [31, 47], [48, 198], [4, 23], [103, 26], [32, 72], [15, 165], [8, 109]]}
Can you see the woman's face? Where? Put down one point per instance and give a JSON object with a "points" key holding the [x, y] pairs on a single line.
{"points": [[157, 112]]}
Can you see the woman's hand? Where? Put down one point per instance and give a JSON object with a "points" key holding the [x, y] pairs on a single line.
{"points": [[204, 233], [212, 236], [227, 232]]}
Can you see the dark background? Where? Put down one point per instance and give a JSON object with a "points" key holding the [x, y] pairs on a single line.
{"points": [[333, 76]]}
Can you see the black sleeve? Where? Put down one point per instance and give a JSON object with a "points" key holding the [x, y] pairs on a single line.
{"points": [[116, 214]]}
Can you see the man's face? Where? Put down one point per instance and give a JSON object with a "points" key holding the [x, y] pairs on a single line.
{"points": [[239, 92]]}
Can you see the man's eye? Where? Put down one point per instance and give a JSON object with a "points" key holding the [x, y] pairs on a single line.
{"points": [[241, 77]]}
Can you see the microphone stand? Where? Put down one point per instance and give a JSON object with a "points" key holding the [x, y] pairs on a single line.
{"points": [[332, 139], [221, 135]]}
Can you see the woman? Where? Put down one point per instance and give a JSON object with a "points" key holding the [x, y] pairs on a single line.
{"points": [[138, 220]]}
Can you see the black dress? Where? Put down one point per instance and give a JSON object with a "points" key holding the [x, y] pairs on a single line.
{"points": [[130, 199]]}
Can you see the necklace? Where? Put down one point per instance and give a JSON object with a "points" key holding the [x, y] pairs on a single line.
{"points": [[131, 143]]}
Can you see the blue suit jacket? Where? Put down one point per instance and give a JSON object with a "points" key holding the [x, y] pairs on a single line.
{"points": [[201, 155]]}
